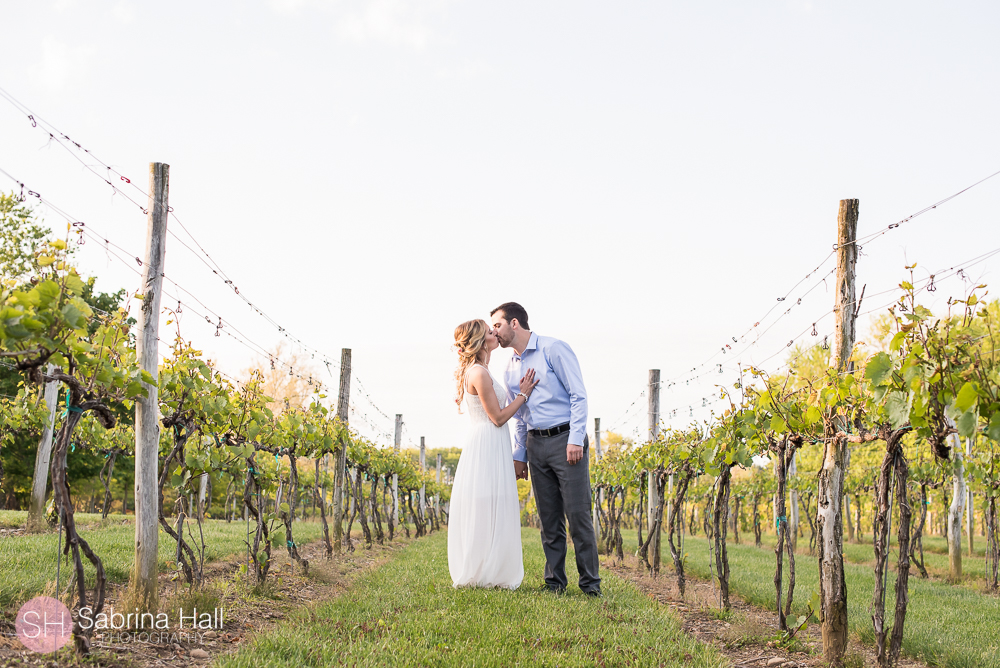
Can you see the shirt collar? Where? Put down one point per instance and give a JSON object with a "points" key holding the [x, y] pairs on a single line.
{"points": [[532, 345]]}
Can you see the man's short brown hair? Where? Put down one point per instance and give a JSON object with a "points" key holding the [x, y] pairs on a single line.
{"points": [[513, 311]]}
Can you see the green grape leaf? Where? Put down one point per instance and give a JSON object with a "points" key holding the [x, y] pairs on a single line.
{"points": [[74, 318], [967, 423], [967, 397], [897, 409], [878, 369], [993, 431], [813, 415], [74, 284], [778, 425]]}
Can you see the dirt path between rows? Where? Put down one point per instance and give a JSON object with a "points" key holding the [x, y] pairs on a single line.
{"points": [[747, 637], [244, 614]]}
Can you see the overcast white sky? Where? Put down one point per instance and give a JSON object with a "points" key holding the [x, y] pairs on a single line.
{"points": [[645, 178]]}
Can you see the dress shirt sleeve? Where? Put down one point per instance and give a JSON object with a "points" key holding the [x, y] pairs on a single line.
{"points": [[520, 426], [567, 369]]}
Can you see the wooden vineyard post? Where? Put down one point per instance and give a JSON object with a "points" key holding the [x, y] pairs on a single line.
{"points": [[351, 497], [447, 481], [597, 439], [147, 420], [202, 492], [793, 505], [598, 494], [829, 516], [422, 508], [40, 482], [847, 514], [652, 490], [340, 462], [970, 508], [956, 510], [437, 497], [395, 476]]}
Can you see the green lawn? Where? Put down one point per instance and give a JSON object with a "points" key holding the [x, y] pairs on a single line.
{"points": [[935, 558], [406, 613], [946, 625], [29, 561], [935, 555]]}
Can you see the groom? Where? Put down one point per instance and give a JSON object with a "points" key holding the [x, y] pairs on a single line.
{"points": [[551, 436]]}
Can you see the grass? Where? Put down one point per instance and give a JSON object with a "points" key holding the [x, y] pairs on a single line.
{"points": [[945, 625], [406, 613], [29, 561], [935, 555]]}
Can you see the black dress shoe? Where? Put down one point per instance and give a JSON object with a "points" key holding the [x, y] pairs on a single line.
{"points": [[555, 589], [595, 593]]}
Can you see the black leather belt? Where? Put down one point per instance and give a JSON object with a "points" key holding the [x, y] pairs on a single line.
{"points": [[552, 431]]}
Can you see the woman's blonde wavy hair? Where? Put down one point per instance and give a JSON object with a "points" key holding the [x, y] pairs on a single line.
{"points": [[470, 339]]}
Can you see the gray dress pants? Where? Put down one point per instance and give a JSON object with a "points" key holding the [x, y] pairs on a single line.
{"points": [[562, 492]]}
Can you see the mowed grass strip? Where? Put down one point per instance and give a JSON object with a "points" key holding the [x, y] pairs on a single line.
{"points": [[29, 561], [406, 613], [946, 625], [935, 555]]}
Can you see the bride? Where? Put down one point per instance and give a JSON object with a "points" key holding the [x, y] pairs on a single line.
{"points": [[484, 529]]}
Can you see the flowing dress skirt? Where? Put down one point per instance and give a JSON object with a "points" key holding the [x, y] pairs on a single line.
{"points": [[484, 529]]}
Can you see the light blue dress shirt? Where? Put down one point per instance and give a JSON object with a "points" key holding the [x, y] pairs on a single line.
{"points": [[559, 396]]}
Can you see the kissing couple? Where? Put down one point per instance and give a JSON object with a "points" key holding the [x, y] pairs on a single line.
{"points": [[543, 392]]}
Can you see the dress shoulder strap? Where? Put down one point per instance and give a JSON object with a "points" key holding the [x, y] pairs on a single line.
{"points": [[466, 380]]}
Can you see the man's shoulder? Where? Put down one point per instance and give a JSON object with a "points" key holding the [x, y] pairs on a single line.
{"points": [[551, 343]]}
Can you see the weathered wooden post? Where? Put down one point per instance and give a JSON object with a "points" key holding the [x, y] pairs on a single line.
{"points": [[423, 487], [395, 476], [340, 461], [448, 480], [836, 454], [970, 507], [957, 509], [847, 511], [652, 490], [597, 439], [202, 494], [600, 493], [147, 421], [793, 505], [437, 497], [40, 481]]}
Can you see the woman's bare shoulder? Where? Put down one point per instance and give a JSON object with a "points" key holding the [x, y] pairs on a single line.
{"points": [[477, 373]]}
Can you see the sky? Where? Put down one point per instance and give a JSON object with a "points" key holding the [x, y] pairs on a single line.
{"points": [[646, 178]]}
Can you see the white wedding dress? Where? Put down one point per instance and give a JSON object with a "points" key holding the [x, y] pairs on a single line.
{"points": [[484, 529]]}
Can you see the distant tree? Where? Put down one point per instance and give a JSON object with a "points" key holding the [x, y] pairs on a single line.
{"points": [[611, 440], [449, 457], [288, 378], [22, 235]]}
